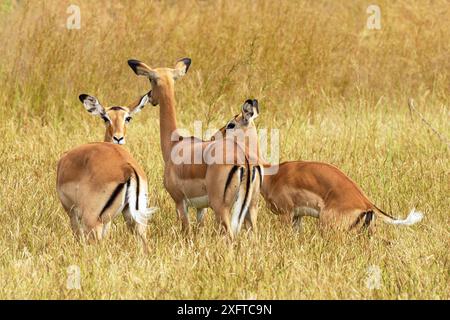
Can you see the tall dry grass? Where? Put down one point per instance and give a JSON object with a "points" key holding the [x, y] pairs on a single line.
{"points": [[336, 91]]}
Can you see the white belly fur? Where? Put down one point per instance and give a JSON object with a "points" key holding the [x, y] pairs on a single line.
{"points": [[307, 211], [198, 202]]}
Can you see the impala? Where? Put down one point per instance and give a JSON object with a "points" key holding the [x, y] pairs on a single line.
{"points": [[228, 187], [306, 188], [116, 118], [97, 181]]}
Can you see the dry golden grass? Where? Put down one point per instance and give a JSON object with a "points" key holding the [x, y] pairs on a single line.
{"points": [[336, 91]]}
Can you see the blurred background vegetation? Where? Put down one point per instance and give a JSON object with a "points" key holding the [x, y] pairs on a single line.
{"points": [[336, 91]]}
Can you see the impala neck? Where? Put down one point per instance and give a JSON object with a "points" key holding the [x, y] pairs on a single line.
{"points": [[108, 137], [167, 120]]}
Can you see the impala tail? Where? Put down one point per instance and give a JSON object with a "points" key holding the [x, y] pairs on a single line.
{"points": [[248, 177], [412, 218], [137, 199]]}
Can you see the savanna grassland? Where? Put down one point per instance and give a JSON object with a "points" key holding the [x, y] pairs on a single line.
{"points": [[337, 92]]}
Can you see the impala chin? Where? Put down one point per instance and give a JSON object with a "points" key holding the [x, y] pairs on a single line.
{"points": [[121, 142]]}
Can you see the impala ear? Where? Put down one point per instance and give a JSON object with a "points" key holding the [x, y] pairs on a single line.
{"points": [[181, 68], [139, 104], [92, 105], [250, 109], [141, 69]]}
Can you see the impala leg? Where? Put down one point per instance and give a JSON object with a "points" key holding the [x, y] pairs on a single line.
{"points": [[251, 218], [135, 227], [200, 216], [131, 223], [98, 231], [297, 223], [106, 228], [93, 229], [223, 219], [286, 218], [75, 225], [183, 216]]}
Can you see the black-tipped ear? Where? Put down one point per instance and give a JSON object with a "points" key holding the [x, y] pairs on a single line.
{"points": [[256, 105], [83, 97], [250, 109], [134, 65], [91, 104], [187, 62], [141, 69]]}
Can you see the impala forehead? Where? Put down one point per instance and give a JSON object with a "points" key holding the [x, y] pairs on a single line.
{"points": [[163, 71], [117, 111], [164, 75]]}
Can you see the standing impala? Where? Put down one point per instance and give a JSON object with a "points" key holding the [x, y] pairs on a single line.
{"points": [[97, 181], [320, 190], [230, 188]]}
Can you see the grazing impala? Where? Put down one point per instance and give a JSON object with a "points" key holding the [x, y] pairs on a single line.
{"points": [[320, 190], [97, 181], [198, 180]]}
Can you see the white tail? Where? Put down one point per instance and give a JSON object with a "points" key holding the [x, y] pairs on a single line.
{"points": [[242, 203], [412, 218], [138, 206], [237, 206]]}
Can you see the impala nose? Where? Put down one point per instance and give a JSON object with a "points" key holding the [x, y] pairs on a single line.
{"points": [[117, 140]]}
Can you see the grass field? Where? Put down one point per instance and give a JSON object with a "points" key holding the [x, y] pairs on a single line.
{"points": [[336, 91]]}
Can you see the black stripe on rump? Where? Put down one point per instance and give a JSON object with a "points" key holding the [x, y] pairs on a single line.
{"points": [[367, 216], [112, 198], [230, 176], [368, 220], [242, 174], [358, 220], [249, 178], [137, 189], [260, 175]]}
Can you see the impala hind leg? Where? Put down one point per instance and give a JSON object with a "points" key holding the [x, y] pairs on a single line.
{"points": [[134, 226], [365, 221], [251, 218], [182, 213], [92, 228], [75, 224], [338, 220], [200, 216], [106, 228], [287, 218], [224, 221]]}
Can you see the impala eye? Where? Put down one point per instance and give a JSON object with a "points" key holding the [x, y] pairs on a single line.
{"points": [[105, 119], [231, 126], [128, 119]]}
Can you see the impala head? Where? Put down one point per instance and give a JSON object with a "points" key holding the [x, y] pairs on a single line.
{"points": [[161, 79], [116, 118], [244, 121]]}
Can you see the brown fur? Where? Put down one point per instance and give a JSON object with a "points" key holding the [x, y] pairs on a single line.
{"points": [[87, 176], [320, 186], [187, 181], [338, 200]]}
